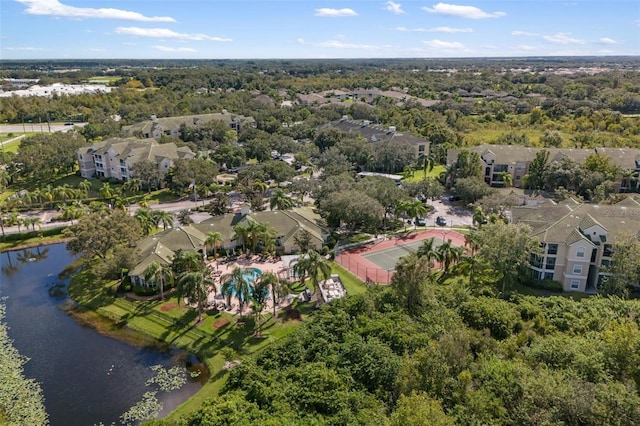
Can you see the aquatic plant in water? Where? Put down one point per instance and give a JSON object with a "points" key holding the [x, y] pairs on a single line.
{"points": [[147, 408], [168, 380]]}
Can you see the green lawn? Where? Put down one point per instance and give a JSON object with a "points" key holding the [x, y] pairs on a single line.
{"points": [[12, 146], [418, 175], [167, 322]]}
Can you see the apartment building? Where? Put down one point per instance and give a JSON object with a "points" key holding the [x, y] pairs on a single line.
{"points": [[115, 157], [577, 239], [515, 160], [156, 127]]}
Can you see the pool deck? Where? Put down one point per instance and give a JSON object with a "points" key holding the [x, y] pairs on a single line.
{"points": [[220, 268]]}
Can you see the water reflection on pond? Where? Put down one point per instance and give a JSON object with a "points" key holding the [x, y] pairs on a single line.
{"points": [[86, 377]]}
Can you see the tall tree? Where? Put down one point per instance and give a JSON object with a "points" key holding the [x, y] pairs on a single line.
{"points": [[195, 286], [507, 248], [280, 200], [408, 281], [236, 284], [313, 265], [214, 241], [159, 274], [624, 270], [161, 217]]}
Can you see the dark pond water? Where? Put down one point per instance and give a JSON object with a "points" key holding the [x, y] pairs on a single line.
{"points": [[86, 377]]}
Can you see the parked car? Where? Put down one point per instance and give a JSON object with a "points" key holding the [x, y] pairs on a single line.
{"points": [[441, 221], [454, 197], [420, 221]]}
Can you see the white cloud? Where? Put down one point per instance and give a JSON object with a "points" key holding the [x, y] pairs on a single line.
{"points": [[336, 44], [300, 40], [165, 33], [393, 7], [607, 40], [15, 49], [334, 13], [460, 11], [449, 30], [173, 49], [439, 44], [434, 30], [55, 8], [523, 34], [562, 38]]}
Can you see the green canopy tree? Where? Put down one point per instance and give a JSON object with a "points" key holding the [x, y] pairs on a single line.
{"points": [[159, 274]]}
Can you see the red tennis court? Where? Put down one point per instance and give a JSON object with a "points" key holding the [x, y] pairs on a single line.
{"points": [[376, 263]]}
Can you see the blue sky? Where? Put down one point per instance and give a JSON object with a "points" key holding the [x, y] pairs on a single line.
{"points": [[220, 29]]}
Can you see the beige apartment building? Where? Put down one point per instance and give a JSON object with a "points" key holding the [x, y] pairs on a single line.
{"points": [[155, 127], [515, 160], [577, 239], [115, 157]]}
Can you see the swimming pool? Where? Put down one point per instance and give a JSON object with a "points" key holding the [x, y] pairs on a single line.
{"points": [[250, 275]]}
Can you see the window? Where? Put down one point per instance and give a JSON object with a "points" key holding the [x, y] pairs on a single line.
{"points": [[535, 260], [605, 263], [552, 249], [548, 275], [580, 252], [577, 269], [551, 263], [607, 252], [575, 284], [421, 148]]}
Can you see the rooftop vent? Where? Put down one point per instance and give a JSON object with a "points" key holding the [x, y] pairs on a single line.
{"points": [[344, 118], [154, 118], [392, 129]]}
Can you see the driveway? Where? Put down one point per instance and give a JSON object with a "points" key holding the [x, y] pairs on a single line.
{"points": [[453, 213]]}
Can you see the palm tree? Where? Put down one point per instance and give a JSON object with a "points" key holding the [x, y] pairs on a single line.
{"points": [[448, 254], [241, 234], [253, 234], [258, 185], [302, 239], [507, 179], [279, 288], [478, 218], [266, 235], [31, 221], [64, 192], [280, 200], [48, 194], [132, 185], [187, 261], [236, 284], [158, 273], [214, 240], [146, 222], [414, 208], [428, 251], [107, 191], [315, 266], [161, 217], [84, 187], [184, 217], [467, 266], [258, 294], [194, 285], [427, 162]]}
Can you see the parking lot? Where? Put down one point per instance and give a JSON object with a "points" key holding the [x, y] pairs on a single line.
{"points": [[453, 214]]}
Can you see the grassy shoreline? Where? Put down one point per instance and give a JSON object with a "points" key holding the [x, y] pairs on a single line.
{"points": [[168, 323]]}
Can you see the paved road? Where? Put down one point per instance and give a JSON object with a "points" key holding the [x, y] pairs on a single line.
{"points": [[46, 216], [37, 127]]}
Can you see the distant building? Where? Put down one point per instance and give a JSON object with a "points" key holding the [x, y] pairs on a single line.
{"points": [[171, 126], [515, 160], [115, 157], [577, 239], [58, 89], [375, 133]]}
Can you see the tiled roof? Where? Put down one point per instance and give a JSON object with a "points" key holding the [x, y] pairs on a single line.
{"points": [[558, 223], [375, 133]]}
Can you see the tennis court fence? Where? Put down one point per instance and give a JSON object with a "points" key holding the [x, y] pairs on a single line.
{"points": [[366, 273]]}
